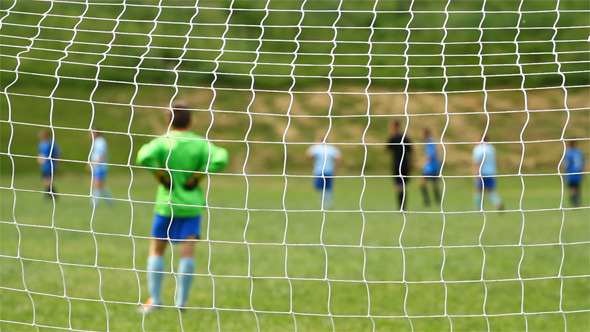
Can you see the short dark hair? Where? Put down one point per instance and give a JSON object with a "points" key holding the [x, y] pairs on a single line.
{"points": [[45, 134], [181, 115]]}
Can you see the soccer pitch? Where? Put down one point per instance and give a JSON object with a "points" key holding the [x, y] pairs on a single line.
{"points": [[260, 267]]}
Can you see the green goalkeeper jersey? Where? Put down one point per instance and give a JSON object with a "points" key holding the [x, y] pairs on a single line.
{"points": [[179, 152]]}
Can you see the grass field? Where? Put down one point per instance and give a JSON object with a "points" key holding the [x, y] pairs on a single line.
{"points": [[268, 266]]}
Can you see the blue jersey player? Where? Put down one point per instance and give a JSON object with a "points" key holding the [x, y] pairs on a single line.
{"points": [[48, 152], [574, 166], [325, 157], [485, 170], [430, 167]]}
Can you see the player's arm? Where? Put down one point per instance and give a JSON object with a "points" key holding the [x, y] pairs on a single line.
{"points": [[41, 159], [565, 162], [389, 144], [476, 164], [425, 159], [149, 156], [337, 158], [40, 156], [216, 160], [476, 168]]}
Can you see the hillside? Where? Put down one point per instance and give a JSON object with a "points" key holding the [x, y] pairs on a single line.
{"points": [[263, 73], [256, 133], [232, 41]]}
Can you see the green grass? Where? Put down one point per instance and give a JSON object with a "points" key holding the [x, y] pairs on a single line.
{"points": [[71, 266]]}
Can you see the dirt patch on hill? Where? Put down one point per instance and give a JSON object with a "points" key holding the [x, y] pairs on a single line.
{"points": [[512, 120]]}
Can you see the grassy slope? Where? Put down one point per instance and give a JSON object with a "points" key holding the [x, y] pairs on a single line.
{"points": [[246, 255], [461, 117]]}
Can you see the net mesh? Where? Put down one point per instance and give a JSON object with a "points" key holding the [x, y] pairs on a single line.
{"points": [[264, 79]]}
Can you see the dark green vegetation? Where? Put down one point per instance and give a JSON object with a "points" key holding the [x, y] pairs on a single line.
{"points": [[270, 265], [315, 43]]}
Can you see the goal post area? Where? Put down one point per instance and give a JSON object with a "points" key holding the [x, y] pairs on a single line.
{"points": [[280, 248]]}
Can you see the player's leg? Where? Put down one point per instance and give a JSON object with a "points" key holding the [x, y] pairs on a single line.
{"points": [[47, 183], [189, 231], [319, 185], [477, 193], [434, 181], [328, 193], [156, 267], [105, 192], [574, 187], [186, 270], [97, 184], [156, 264], [424, 190], [490, 187], [401, 183]]}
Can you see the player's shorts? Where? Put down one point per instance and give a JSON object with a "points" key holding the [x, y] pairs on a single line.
{"points": [[430, 170], [485, 182], [574, 180], [46, 173], [176, 229], [323, 182], [430, 173], [100, 172]]}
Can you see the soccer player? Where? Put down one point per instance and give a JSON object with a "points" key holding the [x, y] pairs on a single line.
{"points": [[48, 151], [400, 147], [574, 166], [178, 161], [485, 169], [324, 158], [430, 168], [99, 167]]}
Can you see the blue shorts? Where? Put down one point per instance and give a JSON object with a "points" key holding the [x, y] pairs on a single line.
{"points": [[46, 173], [485, 182], [574, 180], [430, 173], [165, 228], [100, 172], [323, 182], [430, 170]]}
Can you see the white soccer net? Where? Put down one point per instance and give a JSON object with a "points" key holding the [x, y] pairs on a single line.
{"points": [[263, 79]]}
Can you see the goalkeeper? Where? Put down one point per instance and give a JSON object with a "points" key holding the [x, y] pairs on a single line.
{"points": [[178, 161]]}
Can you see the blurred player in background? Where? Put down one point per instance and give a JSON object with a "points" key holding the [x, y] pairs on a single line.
{"points": [[99, 167], [400, 147], [325, 157], [178, 161], [48, 151], [574, 166], [430, 168], [485, 169]]}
